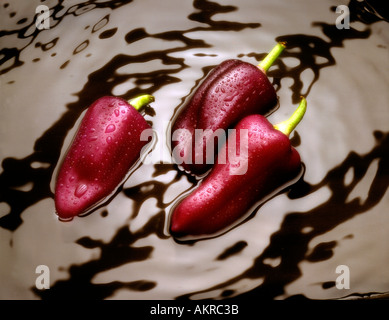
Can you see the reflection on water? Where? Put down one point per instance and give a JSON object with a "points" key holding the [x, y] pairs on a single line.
{"points": [[312, 52]]}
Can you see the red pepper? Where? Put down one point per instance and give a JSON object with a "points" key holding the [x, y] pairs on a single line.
{"points": [[104, 149], [224, 198], [231, 91]]}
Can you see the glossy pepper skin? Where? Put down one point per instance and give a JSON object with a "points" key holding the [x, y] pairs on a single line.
{"points": [[223, 199], [103, 150], [231, 91]]}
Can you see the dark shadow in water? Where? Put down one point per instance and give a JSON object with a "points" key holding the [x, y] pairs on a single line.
{"points": [[289, 244]]}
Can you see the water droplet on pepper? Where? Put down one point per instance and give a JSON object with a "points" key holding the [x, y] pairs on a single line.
{"points": [[80, 190], [110, 128]]}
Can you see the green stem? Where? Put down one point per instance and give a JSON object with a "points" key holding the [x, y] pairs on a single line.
{"points": [[288, 126], [141, 101], [266, 63]]}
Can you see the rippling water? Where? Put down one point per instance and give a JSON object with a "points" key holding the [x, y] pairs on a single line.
{"points": [[336, 214]]}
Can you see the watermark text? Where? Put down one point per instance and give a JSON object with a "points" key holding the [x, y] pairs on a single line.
{"points": [[343, 21]]}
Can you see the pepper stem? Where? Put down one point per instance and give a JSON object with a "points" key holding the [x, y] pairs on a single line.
{"points": [[141, 101], [272, 56], [288, 126]]}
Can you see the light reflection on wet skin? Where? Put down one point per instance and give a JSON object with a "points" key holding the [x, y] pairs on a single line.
{"points": [[119, 250]]}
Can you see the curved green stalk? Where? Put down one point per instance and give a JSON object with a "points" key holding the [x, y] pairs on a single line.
{"points": [[141, 101], [288, 126], [272, 56]]}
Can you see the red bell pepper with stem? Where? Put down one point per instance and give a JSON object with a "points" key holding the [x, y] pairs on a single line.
{"points": [[104, 149], [223, 199], [231, 91]]}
